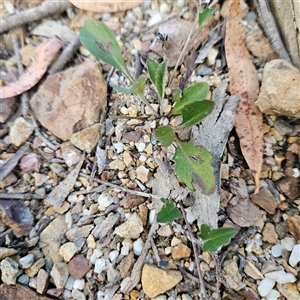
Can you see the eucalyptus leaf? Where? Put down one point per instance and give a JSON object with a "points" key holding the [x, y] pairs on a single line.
{"points": [[214, 238], [195, 92], [193, 167], [100, 41], [165, 135], [203, 17], [168, 213], [196, 112]]}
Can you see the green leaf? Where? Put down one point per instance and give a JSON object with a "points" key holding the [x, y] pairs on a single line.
{"points": [[203, 17], [152, 67], [157, 76], [214, 238], [195, 92], [101, 42], [165, 135], [126, 91], [192, 166], [176, 95], [138, 87], [196, 112], [169, 212]]}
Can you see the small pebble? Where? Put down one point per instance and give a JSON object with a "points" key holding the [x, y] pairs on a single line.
{"points": [[79, 284], [113, 255], [273, 295], [138, 246], [69, 283], [265, 286], [287, 243], [276, 250], [281, 276], [99, 265], [26, 261], [295, 256]]}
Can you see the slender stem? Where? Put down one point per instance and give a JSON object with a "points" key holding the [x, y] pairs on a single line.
{"points": [[203, 293]]}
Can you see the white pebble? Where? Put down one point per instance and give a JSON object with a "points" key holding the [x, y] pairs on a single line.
{"points": [[164, 8], [295, 256], [78, 284], [273, 295], [287, 243], [155, 18], [258, 240], [140, 146], [99, 265], [105, 200], [138, 246], [26, 261], [113, 255], [276, 250], [119, 147], [143, 158], [190, 215], [265, 286], [281, 276]]}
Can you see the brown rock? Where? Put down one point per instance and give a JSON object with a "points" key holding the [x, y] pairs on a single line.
{"points": [[126, 265], [16, 215], [133, 136], [18, 291], [51, 237], [252, 271], [20, 131], [181, 251], [265, 200], [269, 234], [131, 228], [232, 275], [70, 101], [289, 187], [293, 227], [42, 281], [78, 266], [143, 214], [5, 252], [130, 201], [156, 281], [87, 138], [243, 212], [60, 274], [288, 290], [10, 179], [279, 93]]}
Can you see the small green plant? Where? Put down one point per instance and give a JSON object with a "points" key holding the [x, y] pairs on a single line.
{"points": [[212, 238], [192, 163]]}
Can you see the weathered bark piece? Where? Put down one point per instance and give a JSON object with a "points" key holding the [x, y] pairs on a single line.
{"points": [[213, 134]]}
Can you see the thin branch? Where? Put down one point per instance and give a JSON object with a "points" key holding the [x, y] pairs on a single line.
{"points": [[33, 14], [115, 186], [21, 196], [65, 56], [42, 137], [203, 293]]}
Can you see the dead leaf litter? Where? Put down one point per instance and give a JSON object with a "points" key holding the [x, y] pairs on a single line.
{"points": [[81, 180]]}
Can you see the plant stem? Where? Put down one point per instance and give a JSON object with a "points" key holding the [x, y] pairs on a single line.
{"points": [[203, 293]]}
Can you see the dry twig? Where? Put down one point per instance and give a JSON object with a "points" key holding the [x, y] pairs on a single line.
{"points": [[33, 14], [203, 294]]}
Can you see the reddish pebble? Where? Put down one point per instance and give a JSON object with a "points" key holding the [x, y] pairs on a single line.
{"points": [[78, 266]]}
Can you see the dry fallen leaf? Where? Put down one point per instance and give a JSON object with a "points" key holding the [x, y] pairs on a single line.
{"points": [[244, 82], [106, 6], [45, 53]]}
